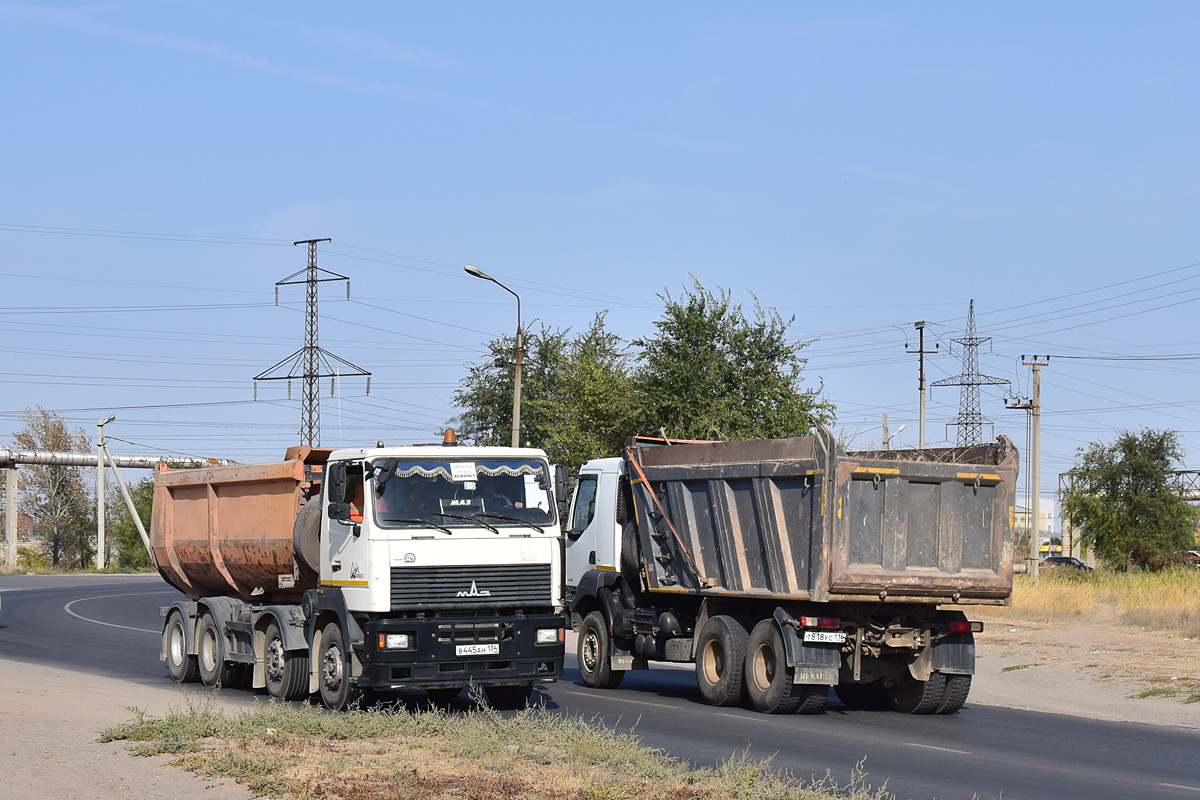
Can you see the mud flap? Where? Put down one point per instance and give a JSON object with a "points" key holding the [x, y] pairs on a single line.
{"points": [[814, 662], [954, 654]]}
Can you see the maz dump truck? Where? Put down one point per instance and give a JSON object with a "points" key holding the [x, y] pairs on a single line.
{"points": [[353, 571], [785, 567]]}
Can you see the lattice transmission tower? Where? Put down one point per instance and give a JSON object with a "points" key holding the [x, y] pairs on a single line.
{"points": [[311, 362], [970, 420]]}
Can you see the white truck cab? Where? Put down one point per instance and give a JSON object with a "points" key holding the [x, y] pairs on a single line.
{"points": [[592, 532]]}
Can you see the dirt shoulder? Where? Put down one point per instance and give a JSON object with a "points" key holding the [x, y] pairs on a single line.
{"points": [[1094, 670], [49, 721], [49, 718]]}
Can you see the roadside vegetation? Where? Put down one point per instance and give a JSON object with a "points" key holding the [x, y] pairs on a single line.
{"points": [[1168, 600], [294, 751]]}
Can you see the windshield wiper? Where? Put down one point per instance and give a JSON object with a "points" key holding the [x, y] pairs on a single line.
{"points": [[471, 518], [507, 518], [419, 522]]}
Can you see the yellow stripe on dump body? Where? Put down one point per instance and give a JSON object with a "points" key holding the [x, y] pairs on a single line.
{"points": [[878, 470], [983, 476]]}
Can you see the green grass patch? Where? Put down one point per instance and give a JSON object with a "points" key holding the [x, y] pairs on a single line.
{"points": [[297, 751], [1016, 667], [1186, 689]]}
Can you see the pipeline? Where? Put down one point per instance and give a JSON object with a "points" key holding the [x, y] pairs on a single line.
{"points": [[10, 458]]}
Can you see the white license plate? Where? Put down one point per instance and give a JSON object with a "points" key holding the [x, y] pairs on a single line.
{"points": [[477, 649], [834, 637]]}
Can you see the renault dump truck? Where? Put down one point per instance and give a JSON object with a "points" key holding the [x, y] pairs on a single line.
{"points": [[784, 567], [348, 572]]}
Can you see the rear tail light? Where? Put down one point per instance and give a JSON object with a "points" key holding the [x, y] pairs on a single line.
{"points": [[820, 622], [966, 627]]}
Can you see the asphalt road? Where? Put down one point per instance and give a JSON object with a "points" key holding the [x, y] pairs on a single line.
{"points": [[109, 626]]}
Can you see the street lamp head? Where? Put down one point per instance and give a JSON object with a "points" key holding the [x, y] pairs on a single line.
{"points": [[478, 273], [105, 422]]}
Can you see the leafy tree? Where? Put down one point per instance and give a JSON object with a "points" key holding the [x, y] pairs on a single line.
{"points": [[713, 373], [57, 497], [575, 396], [129, 552], [1127, 501]]}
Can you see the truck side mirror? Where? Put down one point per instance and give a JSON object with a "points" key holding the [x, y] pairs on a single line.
{"points": [[335, 482], [561, 498]]}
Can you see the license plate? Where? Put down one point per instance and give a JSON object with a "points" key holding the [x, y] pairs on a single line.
{"points": [[477, 649], [833, 637]]}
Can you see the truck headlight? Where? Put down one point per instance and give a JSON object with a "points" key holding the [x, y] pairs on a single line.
{"points": [[395, 641], [549, 635]]}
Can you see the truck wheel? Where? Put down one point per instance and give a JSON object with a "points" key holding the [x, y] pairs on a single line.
{"points": [[862, 695], [334, 662], [630, 567], [286, 671], [442, 697], [508, 697], [720, 654], [911, 696], [812, 698], [595, 651], [183, 667], [211, 654], [769, 684], [957, 688]]}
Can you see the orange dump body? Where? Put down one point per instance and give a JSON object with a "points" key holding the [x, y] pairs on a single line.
{"points": [[229, 530]]}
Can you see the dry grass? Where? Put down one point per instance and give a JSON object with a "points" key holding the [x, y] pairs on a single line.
{"points": [[292, 751], [1165, 601]]}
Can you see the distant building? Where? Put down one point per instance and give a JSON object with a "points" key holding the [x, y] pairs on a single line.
{"points": [[1045, 520], [24, 527]]}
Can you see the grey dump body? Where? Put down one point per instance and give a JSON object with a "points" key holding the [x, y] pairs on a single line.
{"points": [[802, 519]]}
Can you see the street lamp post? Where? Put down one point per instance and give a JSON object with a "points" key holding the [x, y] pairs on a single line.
{"points": [[516, 423], [100, 423]]}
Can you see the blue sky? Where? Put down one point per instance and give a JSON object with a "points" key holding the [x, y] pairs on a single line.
{"points": [[859, 166]]}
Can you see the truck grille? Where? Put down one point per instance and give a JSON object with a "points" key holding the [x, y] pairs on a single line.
{"points": [[484, 586]]}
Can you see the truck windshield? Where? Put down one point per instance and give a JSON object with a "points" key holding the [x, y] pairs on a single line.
{"points": [[487, 494]]}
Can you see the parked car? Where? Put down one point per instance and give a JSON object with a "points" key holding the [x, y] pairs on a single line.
{"points": [[1190, 557], [1065, 561]]}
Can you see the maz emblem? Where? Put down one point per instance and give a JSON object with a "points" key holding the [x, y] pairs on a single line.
{"points": [[475, 592]]}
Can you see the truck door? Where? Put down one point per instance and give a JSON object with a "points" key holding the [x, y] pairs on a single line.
{"points": [[347, 564], [581, 530]]}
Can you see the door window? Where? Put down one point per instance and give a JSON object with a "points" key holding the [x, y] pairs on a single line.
{"points": [[585, 503]]}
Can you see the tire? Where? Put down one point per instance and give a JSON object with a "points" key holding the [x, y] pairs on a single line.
{"points": [[285, 671], [957, 688], [769, 686], [508, 697], [210, 654], [812, 698], [862, 695], [241, 676], [183, 667], [333, 662], [630, 563], [443, 697], [595, 652], [720, 656], [912, 696]]}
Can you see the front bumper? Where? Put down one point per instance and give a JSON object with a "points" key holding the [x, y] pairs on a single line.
{"points": [[434, 661]]}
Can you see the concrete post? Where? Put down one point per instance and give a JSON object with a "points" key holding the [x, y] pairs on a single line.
{"points": [[11, 522]]}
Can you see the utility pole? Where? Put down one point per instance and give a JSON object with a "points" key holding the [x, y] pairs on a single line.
{"points": [[1036, 364], [311, 362], [1034, 407], [100, 423], [922, 352]]}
